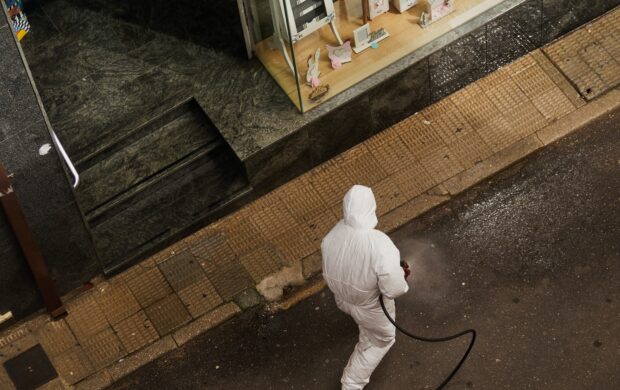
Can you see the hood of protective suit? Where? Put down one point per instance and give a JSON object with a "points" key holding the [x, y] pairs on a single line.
{"points": [[359, 208]]}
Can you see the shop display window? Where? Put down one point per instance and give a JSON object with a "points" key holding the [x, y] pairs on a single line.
{"points": [[316, 49]]}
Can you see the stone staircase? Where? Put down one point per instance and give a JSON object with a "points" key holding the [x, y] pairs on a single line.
{"points": [[155, 181]]}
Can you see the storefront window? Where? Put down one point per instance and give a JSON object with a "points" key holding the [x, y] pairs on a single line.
{"points": [[316, 49]]}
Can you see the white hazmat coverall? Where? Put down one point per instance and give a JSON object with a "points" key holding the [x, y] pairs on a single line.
{"points": [[359, 264]]}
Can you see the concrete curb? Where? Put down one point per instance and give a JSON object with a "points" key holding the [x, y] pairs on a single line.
{"points": [[206, 322], [580, 117], [493, 164], [98, 381], [142, 357], [299, 295]]}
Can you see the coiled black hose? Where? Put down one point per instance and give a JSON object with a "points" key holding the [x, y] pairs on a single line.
{"points": [[436, 340]]}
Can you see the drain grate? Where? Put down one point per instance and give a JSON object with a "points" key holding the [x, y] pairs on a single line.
{"points": [[30, 369]]}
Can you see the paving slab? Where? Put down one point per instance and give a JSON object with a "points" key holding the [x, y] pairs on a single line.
{"points": [[136, 332], [73, 365], [200, 297], [56, 337], [85, 317], [149, 286], [262, 262], [168, 314], [181, 270], [103, 348], [116, 301]]}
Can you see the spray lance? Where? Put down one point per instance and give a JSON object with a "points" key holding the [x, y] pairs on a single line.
{"points": [[407, 272]]}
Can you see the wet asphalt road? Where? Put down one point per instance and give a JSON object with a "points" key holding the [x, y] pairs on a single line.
{"points": [[531, 259]]}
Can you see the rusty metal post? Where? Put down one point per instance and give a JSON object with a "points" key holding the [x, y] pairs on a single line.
{"points": [[29, 246]]}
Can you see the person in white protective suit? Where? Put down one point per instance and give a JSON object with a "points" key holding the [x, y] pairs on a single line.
{"points": [[359, 264]]}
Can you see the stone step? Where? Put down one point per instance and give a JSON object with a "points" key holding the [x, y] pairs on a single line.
{"points": [[126, 128], [160, 179], [168, 211], [163, 143]]}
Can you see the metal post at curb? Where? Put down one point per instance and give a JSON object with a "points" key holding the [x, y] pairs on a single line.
{"points": [[29, 246]]}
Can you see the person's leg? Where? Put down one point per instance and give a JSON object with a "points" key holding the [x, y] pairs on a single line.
{"points": [[375, 340]]}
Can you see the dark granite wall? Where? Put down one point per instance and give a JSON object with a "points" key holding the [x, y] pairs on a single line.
{"points": [[211, 23], [43, 189]]}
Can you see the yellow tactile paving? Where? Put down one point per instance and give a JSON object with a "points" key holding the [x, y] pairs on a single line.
{"points": [[602, 63], [360, 166], [499, 134], [320, 225], [200, 297], [136, 332], [338, 211], [441, 164], [612, 45], [438, 110], [301, 198], [103, 348], [261, 262], [73, 365], [330, 182], [413, 180], [388, 196], [390, 151], [56, 337], [149, 287], [85, 317], [589, 83], [520, 65], [533, 81], [273, 220], [451, 126], [470, 149], [116, 301], [475, 106], [241, 233], [553, 104], [419, 137], [589, 57], [525, 119], [494, 79], [293, 245], [506, 95]]}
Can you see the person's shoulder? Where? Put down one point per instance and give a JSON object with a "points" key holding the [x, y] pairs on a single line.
{"points": [[333, 232], [380, 236]]}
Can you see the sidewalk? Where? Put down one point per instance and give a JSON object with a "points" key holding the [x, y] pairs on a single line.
{"points": [[252, 255]]}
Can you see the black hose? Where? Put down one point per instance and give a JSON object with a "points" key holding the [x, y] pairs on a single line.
{"points": [[436, 340]]}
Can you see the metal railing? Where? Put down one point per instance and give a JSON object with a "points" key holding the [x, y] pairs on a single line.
{"points": [[65, 156]]}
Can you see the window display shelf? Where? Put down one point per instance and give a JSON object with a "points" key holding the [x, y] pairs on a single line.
{"points": [[406, 36]]}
